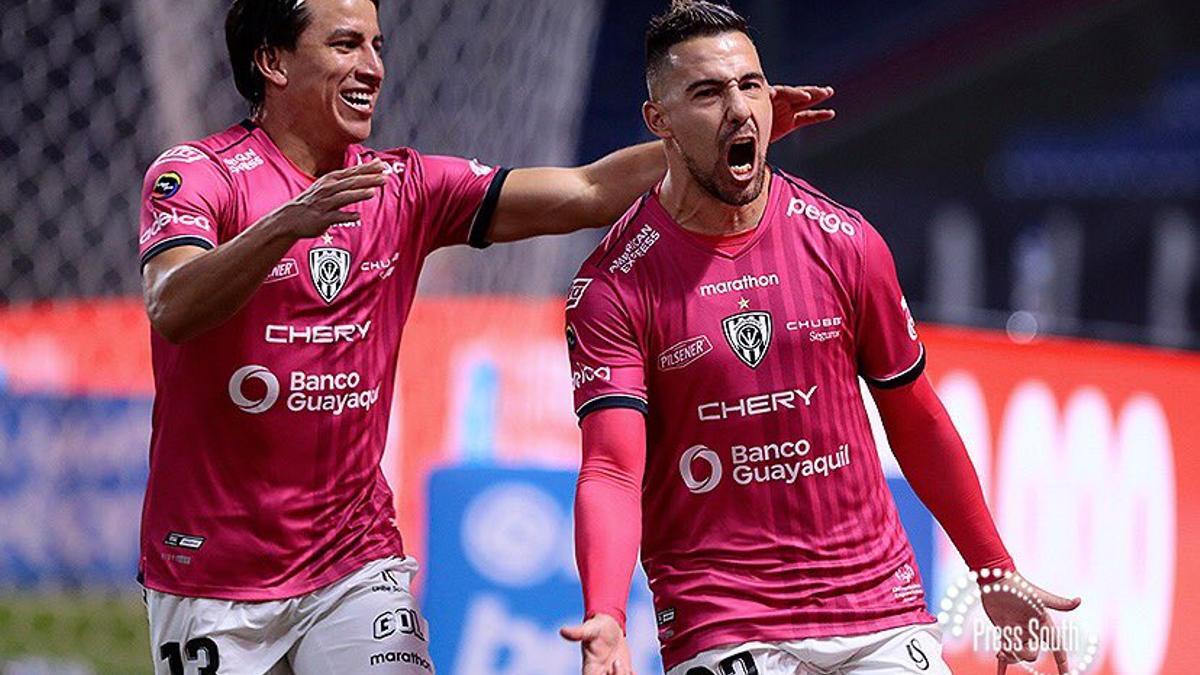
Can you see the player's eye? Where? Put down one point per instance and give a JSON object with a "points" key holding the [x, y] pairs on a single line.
{"points": [[751, 85]]}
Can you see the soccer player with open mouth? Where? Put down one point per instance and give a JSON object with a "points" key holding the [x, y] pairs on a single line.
{"points": [[280, 259], [716, 338]]}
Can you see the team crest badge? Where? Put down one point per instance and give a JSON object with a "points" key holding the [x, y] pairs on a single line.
{"points": [[329, 267], [749, 335]]}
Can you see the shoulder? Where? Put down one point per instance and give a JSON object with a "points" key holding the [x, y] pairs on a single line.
{"points": [[609, 279], [211, 158], [630, 240], [400, 160], [820, 217], [424, 168]]}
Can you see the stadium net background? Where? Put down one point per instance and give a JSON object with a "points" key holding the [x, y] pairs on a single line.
{"points": [[95, 89]]}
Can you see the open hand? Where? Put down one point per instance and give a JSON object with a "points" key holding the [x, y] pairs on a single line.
{"points": [[605, 651], [1025, 619], [792, 108]]}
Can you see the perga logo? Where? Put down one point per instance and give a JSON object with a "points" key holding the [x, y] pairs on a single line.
{"points": [[166, 185], [826, 220]]}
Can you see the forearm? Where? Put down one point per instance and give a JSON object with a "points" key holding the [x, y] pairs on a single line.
{"points": [[934, 460], [204, 290], [542, 201], [608, 509], [623, 176]]}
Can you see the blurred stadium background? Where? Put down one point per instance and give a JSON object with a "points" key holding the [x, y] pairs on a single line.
{"points": [[1035, 165]]}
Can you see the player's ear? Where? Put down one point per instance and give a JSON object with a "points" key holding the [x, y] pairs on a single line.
{"points": [[656, 119], [268, 61]]}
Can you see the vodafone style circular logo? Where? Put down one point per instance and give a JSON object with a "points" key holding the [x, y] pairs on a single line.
{"points": [[253, 372], [688, 460]]}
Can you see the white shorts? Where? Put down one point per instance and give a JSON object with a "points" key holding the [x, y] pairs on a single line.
{"points": [[907, 649], [364, 623]]}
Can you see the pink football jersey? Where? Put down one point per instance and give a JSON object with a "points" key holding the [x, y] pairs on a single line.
{"points": [[268, 429], [765, 512]]}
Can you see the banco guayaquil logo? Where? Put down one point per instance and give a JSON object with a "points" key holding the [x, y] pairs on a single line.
{"points": [[253, 406], [704, 454]]}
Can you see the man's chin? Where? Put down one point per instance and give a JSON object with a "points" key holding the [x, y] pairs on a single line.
{"points": [[736, 194]]}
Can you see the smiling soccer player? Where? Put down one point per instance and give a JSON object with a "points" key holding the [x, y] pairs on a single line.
{"points": [[717, 336], [280, 260]]}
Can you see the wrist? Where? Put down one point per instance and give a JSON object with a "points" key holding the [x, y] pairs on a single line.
{"points": [[607, 614], [277, 226]]}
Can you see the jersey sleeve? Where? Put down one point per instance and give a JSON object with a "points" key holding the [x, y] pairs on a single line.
{"points": [[607, 362], [889, 352], [184, 196], [461, 198]]}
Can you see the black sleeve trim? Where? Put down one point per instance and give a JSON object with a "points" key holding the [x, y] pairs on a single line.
{"points": [[482, 222], [907, 377], [613, 401], [172, 242]]}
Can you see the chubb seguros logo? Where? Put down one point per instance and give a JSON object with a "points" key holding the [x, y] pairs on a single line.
{"points": [[688, 460], [253, 372]]}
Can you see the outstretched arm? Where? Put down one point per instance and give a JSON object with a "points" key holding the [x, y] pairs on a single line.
{"points": [[935, 462], [560, 200], [608, 519]]}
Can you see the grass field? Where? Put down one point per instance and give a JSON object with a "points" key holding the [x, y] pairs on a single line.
{"points": [[74, 633]]}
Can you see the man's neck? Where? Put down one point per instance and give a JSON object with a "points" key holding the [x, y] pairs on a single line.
{"points": [[295, 144], [697, 210]]}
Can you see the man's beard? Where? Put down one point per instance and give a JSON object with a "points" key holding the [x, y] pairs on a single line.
{"points": [[732, 196]]}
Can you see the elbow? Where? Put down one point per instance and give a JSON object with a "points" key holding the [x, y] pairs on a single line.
{"points": [[168, 324]]}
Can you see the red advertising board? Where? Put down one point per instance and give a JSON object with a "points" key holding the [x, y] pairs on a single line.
{"points": [[1088, 452]]}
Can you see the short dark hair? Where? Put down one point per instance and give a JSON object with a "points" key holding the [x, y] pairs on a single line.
{"points": [[252, 25], [684, 20]]}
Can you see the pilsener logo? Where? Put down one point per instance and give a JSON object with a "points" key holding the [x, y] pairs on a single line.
{"points": [[253, 372], [689, 457]]}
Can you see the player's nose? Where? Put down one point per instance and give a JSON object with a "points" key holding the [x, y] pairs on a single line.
{"points": [[370, 68], [737, 107]]}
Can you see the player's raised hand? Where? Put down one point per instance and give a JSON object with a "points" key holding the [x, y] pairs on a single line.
{"points": [[321, 205], [1027, 619], [792, 108], [602, 641]]}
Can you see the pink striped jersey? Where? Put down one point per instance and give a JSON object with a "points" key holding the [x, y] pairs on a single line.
{"points": [[765, 513], [267, 431]]}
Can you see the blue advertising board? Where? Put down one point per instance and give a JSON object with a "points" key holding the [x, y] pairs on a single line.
{"points": [[502, 578]]}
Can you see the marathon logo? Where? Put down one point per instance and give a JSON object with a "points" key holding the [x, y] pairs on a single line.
{"points": [[683, 354], [745, 283], [410, 658]]}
